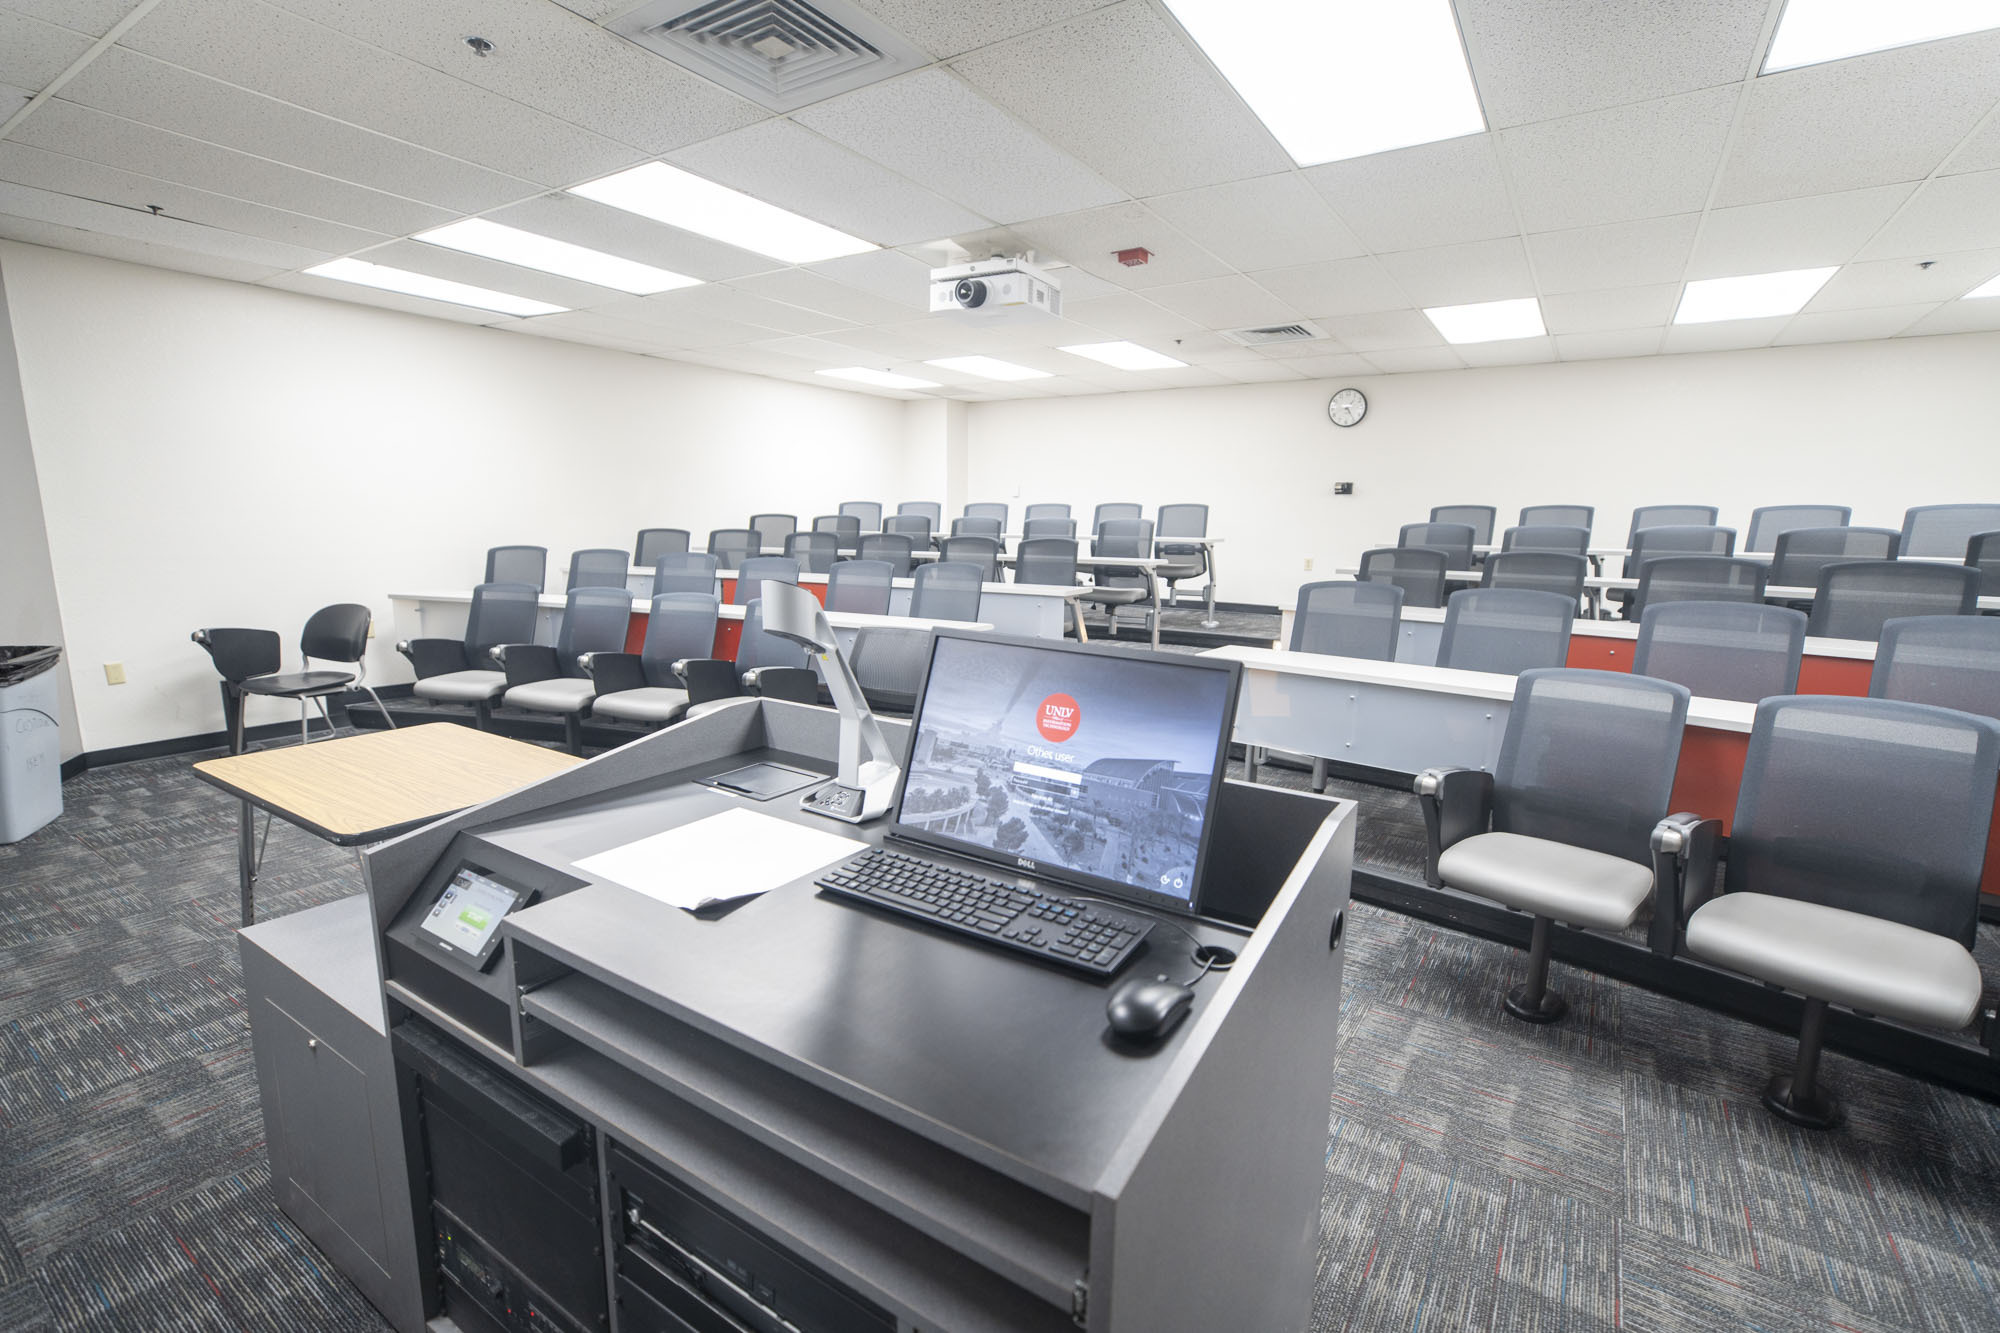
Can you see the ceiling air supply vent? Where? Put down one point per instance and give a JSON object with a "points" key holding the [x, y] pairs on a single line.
{"points": [[1274, 333], [782, 54]]}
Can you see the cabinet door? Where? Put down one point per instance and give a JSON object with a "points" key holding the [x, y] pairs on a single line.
{"points": [[322, 1140]]}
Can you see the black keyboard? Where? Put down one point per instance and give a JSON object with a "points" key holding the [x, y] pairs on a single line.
{"points": [[1079, 935]]}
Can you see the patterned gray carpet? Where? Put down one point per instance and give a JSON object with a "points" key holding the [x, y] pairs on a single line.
{"points": [[1613, 1171]]}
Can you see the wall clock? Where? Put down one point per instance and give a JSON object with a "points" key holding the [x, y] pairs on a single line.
{"points": [[1347, 407]]}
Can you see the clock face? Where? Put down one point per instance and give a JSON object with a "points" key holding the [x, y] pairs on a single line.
{"points": [[1347, 407]]}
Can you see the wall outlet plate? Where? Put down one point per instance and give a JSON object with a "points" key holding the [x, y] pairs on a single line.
{"points": [[114, 673]]}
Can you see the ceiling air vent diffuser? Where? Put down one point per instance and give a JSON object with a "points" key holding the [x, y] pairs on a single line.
{"points": [[782, 54], [1274, 333]]}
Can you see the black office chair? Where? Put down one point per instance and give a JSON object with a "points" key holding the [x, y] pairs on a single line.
{"points": [[601, 567], [1944, 530], [1117, 510], [860, 586], [979, 525], [1562, 827], [1480, 518], [917, 527], [1544, 571], [1671, 516], [1854, 600], [1697, 578], [1768, 522], [1454, 539], [815, 552], [643, 686], [983, 552], [868, 513], [1417, 570], [652, 543], [732, 546], [929, 510], [893, 547], [1115, 586], [1722, 650], [993, 511], [544, 679], [756, 570], [1184, 560], [947, 590], [846, 530], [1948, 661], [685, 571], [1799, 554], [250, 662], [1852, 870], [765, 664], [1560, 516], [464, 670], [1546, 537], [772, 529], [1048, 527], [1045, 511], [1982, 552], [1505, 630], [518, 564]]}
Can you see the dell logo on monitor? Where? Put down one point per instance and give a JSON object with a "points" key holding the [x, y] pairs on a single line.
{"points": [[1025, 863]]}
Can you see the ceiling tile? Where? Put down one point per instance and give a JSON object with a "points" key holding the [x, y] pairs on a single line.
{"points": [[1412, 198], [1838, 326], [1887, 282], [932, 128], [1946, 214], [615, 231], [889, 274], [1338, 287], [895, 346], [1406, 359], [1621, 254], [1872, 120], [798, 287], [1610, 343], [69, 211], [1981, 316], [788, 165], [281, 55], [1809, 232], [1259, 372], [1129, 316], [33, 53], [1228, 302], [1620, 309], [1125, 91], [351, 294], [598, 10], [1979, 152], [1646, 160], [679, 324], [1337, 365], [91, 242], [1383, 331], [718, 301], [11, 99], [1090, 241], [137, 87], [546, 58], [93, 18], [1266, 222], [1205, 347], [1460, 274], [1724, 335], [947, 28], [1508, 352]]}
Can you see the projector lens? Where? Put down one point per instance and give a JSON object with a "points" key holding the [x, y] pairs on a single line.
{"points": [[969, 293]]}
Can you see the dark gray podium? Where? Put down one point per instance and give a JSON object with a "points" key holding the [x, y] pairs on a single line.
{"points": [[800, 1115]]}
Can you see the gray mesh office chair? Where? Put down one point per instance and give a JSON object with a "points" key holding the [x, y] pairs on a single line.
{"points": [[929, 509], [1417, 570], [983, 552], [1184, 561], [1800, 553], [1560, 516], [1672, 539], [1949, 661], [1045, 511], [756, 570], [1562, 828], [1853, 600], [772, 529], [979, 525], [917, 527], [518, 564], [1546, 537], [860, 586], [947, 590], [1105, 513], [1670, 516], [643, 686], [1348, 619], [1982, 553], [1945, 529], [600, 567], [543, 679], [814, 551], [868, 513], [1766, 523], [1048, 527], [464, 671], [1722, 650], [1114, 586], [1852, 872], [1697, 578], [1480, 518], [652, 543], [995, 511], [1544, 571], [890, 666], [1049, 561], [685, 571], [732, 546], [250, 661], [1454, 539], [846, 530], [893, 547], [765, 664], [1505, 630]]}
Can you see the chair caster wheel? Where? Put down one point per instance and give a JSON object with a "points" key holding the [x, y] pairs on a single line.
{"points": [[1817, 1110], [1551, 1006]]}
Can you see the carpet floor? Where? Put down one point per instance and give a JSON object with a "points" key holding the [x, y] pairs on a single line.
{"points": [[1610, 1171]]}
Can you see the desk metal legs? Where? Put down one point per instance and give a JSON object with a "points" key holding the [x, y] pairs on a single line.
{"points": [[246, 858], [1210, 622], [1153, 581]]}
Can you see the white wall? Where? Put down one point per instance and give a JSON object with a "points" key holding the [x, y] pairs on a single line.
{"points": [[212, 453], [1878, 426]]}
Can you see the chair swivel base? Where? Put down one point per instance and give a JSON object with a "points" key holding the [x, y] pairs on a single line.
{"points": [[1547, 1009], [1813, 1110]]}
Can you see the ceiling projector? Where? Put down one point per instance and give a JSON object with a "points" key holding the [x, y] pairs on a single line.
{"points": [[995, 289]]}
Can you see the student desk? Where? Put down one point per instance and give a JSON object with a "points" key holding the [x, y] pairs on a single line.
{"points": [[1032, 610]]}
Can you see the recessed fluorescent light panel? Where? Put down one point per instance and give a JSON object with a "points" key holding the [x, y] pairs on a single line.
{"points": [[1813, 31], [1991, 287], [422, 284], [511, 245], [682, 199], [988, 368], [1334, 79], [1488, 321], [1757, 296], [1125, 356], [880, 378]]}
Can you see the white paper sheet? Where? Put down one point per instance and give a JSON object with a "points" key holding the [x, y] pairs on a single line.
{"points": [[731, 855]]}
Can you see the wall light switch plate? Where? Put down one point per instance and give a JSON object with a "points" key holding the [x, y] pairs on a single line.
{"points": [[114, 673]]}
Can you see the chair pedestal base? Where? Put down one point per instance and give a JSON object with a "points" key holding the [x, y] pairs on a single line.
{"points": [[1544, 1008], [1813, 1110]]}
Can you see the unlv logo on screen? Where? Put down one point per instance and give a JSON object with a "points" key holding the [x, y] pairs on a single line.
{"points": [[1058, 716]]}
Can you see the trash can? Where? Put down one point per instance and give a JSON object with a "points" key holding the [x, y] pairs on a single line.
{"points": [[30, 741]]}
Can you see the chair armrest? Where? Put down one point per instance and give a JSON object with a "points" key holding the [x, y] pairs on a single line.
{"points": [[433, 657], [615, 672], [797, 685], [708, 678], [1686, 849], [1457, 802], [526, 663]]}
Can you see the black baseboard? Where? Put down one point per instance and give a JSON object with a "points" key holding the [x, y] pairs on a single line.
{"points": [[207, 740]]}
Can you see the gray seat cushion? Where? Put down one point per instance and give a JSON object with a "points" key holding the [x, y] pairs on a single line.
{"points": [[561, 695], [1551, 879], [462, 687], [1848, 958], [653, 703], [1104, 596]]}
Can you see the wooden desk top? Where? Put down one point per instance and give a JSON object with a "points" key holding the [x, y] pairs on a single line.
{"points": [[366, 787]]}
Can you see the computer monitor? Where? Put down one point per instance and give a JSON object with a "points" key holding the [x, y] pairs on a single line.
{"points": [[1096, 767]]}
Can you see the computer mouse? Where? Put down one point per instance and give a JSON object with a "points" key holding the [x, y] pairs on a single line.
{"points": [[1147, 1008]]}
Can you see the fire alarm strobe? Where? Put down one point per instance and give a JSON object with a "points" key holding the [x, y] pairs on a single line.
{"points": [[1134, 257]]}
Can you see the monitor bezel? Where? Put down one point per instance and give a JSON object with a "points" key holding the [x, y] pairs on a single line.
{"points": [[1082, 881]]}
